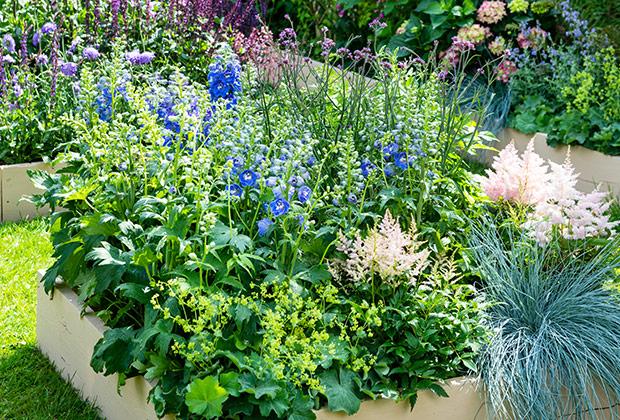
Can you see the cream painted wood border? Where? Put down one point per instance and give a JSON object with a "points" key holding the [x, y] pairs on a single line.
{"points": [[68, 341], [14, 185], [594, 168]]}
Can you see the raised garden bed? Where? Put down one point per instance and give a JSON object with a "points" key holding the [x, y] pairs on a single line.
{"points": [[68, 339], [14, 186], [594, 168]]}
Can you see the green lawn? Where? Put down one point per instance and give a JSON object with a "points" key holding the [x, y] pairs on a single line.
{"points": [[30, 388]]}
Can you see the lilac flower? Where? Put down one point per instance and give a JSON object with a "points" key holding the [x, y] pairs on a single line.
{"points": [[48, 28], [326, 46], [137, 58], [263, 226], [304, 193], [17, 89], [279, 207], [248, 178], [376, 24], [288, 38], [9, 59], [36, 38], [234, 190], [69, 69], [9, 43], [23, 51], [90, 53]]}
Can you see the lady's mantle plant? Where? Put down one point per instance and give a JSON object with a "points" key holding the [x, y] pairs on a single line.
{"points": [[235, 237]]}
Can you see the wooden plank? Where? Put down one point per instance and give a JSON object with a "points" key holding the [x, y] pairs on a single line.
{"points": [[15, 186]]}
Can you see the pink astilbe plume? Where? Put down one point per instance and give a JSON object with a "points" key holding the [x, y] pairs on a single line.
{"points": [[518, 179], [551, 192], [386, 251]]}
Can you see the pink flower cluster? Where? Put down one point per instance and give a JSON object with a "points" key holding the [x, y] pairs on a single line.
{"points": [[505, 70], [532, 37], [491, 12], [550, 191], [386, 251]]}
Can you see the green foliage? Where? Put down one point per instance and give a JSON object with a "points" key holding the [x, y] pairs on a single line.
{"points": [[556, 324], [576, 101], [230, 317]]}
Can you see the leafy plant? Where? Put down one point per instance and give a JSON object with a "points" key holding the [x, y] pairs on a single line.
{"points": [[201, 222]]}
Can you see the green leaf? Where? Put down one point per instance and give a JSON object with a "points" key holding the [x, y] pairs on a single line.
{"points": [[205, 397], [230, 382], [430, 7], [339, 390], [113, 352]]}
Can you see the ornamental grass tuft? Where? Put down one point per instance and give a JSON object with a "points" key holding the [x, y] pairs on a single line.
{"points": [[556, 323]]}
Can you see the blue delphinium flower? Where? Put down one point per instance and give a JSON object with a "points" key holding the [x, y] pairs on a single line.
{"points": [[271, 182], [248, 178], [389, 170], [263, 226], [225, 80], [172, 190], [367, 167], [303, 194], [123, 166], [400, 160], [279, 207], [234, 190], [352, 198], [390, 150]]}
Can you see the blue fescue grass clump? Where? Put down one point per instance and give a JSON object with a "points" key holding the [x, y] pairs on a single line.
{"points": [[556, 328]]}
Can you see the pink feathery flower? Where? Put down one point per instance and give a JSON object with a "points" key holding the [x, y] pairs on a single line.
{"points": [[386, 251]]}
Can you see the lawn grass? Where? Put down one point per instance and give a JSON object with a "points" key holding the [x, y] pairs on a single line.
{"points": [[30, 388]]}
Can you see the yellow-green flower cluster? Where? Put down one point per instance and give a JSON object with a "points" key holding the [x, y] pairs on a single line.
{"points": [[518, 6]]}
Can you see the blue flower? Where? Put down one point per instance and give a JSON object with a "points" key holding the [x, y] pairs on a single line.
{"points": [[234, 190], [279, 206], [271, 181], [311, 161], [400, 159], [352, 198], [295, 181], [303, 194], [367, 167], [172, 190], [389, 170], [390, 150], [122, 167], [224, 80], [263, 226], [248, 178]]}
